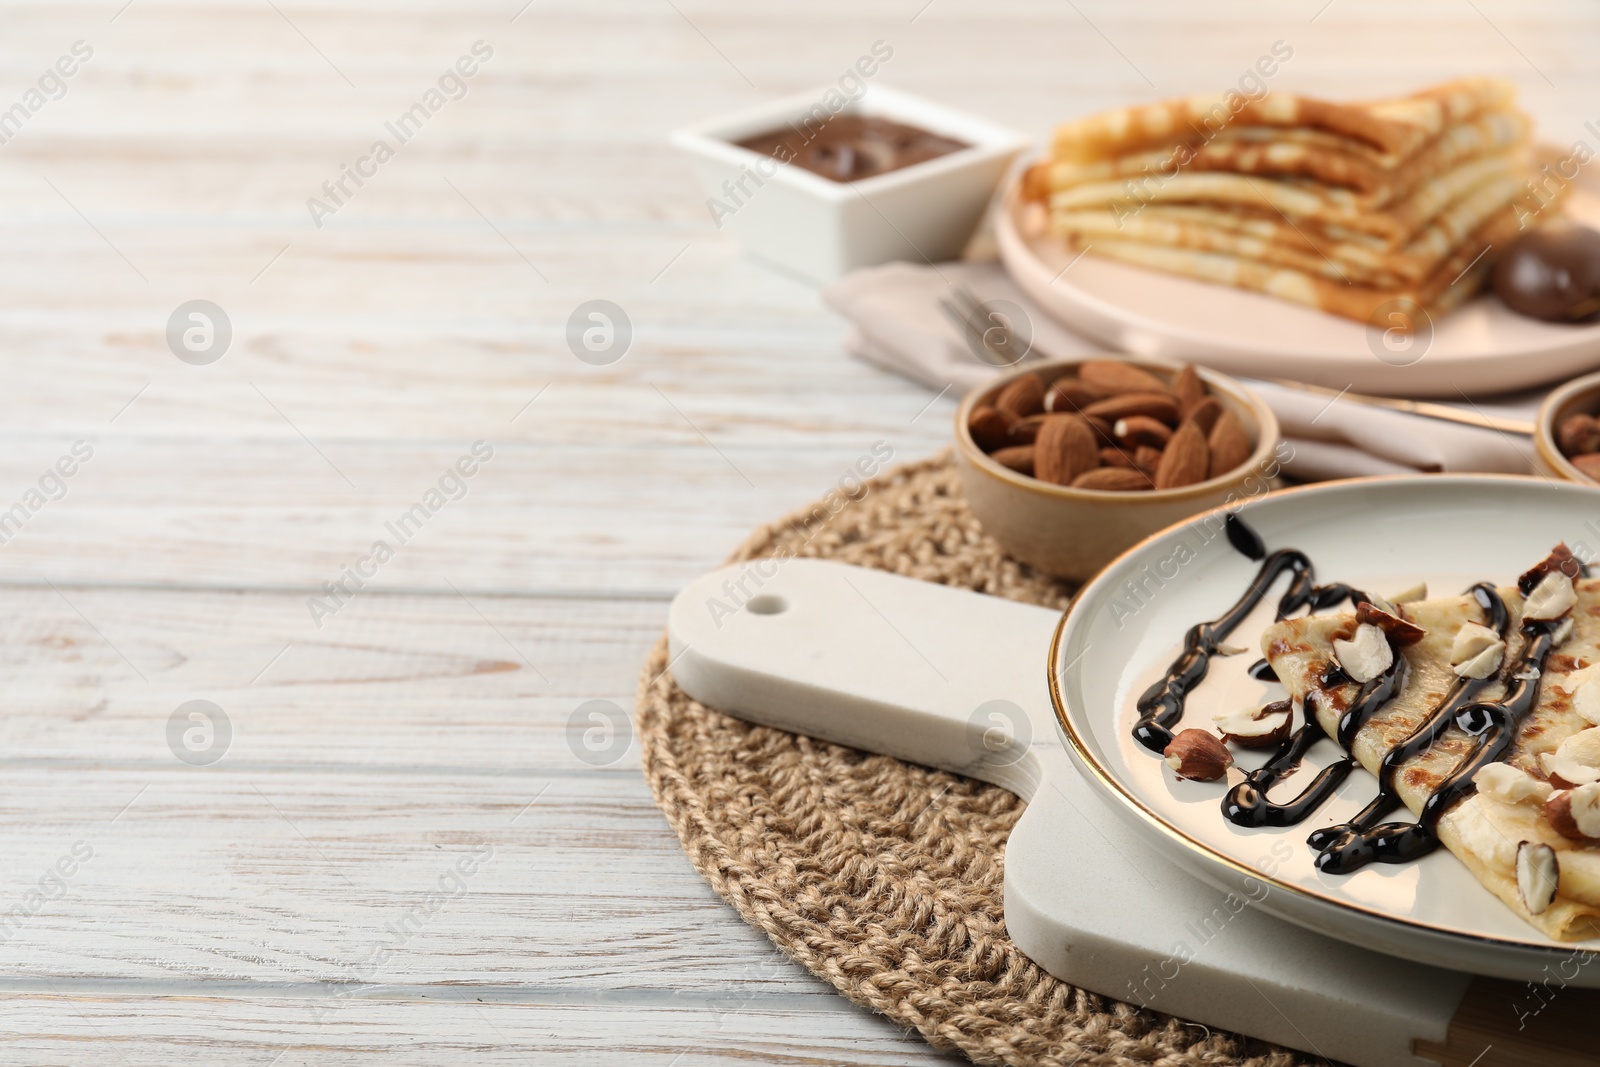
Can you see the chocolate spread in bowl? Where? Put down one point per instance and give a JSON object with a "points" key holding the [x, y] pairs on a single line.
{"points": [[852, 147]]}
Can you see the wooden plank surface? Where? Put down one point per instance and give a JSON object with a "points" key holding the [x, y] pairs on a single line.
{"points": [[225, 911]]}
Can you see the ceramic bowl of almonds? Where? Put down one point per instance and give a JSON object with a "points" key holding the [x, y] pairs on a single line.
{"points": [[1068, 464], [1566, 433]]}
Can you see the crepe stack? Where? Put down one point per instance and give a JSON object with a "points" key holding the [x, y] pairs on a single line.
{"points": [[1374, 211]]}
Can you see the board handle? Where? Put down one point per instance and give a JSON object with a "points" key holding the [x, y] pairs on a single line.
{"points": [[939, 676]]}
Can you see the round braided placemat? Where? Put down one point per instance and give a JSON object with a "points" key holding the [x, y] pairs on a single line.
{"points": [[884, 878]]}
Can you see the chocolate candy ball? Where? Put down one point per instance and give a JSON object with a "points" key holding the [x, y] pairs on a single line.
{"points": [[1551, 273]]}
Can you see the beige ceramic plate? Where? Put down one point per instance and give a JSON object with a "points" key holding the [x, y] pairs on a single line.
{"points": [[1479, 349], [1382, 535]]}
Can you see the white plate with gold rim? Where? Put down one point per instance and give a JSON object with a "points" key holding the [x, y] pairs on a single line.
{"points": [[1478, 349], [1382, 535]]}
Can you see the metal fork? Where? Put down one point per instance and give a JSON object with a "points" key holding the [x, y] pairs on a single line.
{"points": [[964, 309]]}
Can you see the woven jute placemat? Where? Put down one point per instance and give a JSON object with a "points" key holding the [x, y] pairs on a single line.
{"points": [[884, 878]]}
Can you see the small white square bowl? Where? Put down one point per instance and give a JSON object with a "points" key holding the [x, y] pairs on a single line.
{"points": [[819, 228]]}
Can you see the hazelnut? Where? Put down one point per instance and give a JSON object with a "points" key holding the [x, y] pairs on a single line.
{"points": [[1538, 875], [1256, 727], [1483, 664], [1470, 640], [1560, 559], [1575, 813], [1576, 761], [1198, 756], [1365, 655], [1511, 785], [1552, 598], [1586, 701], [1388, 618]]}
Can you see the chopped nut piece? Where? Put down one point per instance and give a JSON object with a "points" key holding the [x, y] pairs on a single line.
{"points": [[1198, 756], [1559, 560], [1538, 875], [1509, 784], [1576, 761], [1552, 598], [1472, 639], [1366, 655], [1256, 727], [1586, 701], [1388, 619], [1483, 664], [1575, 814]]}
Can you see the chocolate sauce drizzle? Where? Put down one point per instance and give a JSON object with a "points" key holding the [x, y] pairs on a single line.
{"points": [[1349, 846], [1246, 803], [1161, 706], [1352, 845]]}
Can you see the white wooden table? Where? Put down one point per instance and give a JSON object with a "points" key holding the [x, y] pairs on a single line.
{"points": [[274, 906]]}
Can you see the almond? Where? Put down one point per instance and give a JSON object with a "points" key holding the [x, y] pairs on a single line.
{"points": [[1113, 479], [1205, 414], [1588, 466], [1575, 813], [1229, 442], [1026, 431], [1115, 377], [1578, 434], [1102, 430], [1023, 397], [1139, 430], [1064, 449], [1116, 457], [1018, 457], [1185, 460], [1198, 756], [990, 427], [1188, 388], [1126, 405], [1147, 459], [1070, 394]]}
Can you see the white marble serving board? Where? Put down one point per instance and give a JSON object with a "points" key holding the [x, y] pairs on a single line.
{"points": [[957, 680]]}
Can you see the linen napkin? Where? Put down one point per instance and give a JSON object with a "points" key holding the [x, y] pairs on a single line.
{"points": [[896, 323]]}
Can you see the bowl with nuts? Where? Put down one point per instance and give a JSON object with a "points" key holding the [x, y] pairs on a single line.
{"points": [[1566, 434], [1067, 464]]}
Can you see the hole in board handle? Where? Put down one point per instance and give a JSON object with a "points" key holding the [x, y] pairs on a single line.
{"points": [[767, 604]]}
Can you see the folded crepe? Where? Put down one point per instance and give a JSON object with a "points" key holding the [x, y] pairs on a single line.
{"points": [[1394, 128], [1507, 830], [1306, 202], [1276, 152], [1454, 281], [1388, 210], [1252, 236]]}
